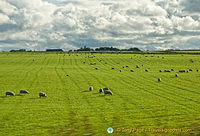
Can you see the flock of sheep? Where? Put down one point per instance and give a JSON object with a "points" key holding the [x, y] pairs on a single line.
{"points": [[146, 70], [104, 90], [41, 94]]}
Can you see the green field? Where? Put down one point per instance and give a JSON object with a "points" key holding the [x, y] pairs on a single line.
{"points": [[138, 102]]}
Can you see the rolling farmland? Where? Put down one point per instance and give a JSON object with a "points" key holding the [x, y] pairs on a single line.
{"points": [[138, 100]]}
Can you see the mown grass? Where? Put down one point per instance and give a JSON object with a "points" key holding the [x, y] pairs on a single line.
{"points": [[139, 101]]}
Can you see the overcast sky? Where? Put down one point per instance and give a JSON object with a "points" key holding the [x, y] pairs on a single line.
{"points": [[71, 24]]}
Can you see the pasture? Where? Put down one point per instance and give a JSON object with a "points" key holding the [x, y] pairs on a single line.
{"points": [[139, 101]]}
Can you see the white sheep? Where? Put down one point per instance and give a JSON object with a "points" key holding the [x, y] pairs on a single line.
{"points": [[24, 92], [91, 88], [10, 93], [42, 95]]}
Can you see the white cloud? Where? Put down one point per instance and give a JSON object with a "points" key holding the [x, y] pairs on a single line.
{"points": [[147, 24]]}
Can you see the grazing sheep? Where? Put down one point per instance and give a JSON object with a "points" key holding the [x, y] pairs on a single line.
{"points": [[172, 69], [132, 70], [67, 74], [24, 92], [160, 70], [197, 70], [137, 66], [106, 88], [167, 70], [96, 68], [10, 93], [42, 95], [107, 92], [146, 70], [187, 71], [127, 66], [159, 79], [181, 71], [91, 88], [101, 90], [122, 67], [190, 70], [176, 75], [113, 68]]}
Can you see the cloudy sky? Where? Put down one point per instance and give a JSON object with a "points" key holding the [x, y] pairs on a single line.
{"points": [[71, 24]]}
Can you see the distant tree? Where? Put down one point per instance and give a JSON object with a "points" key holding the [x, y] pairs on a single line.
{"points": [[84, 49], [107, 49], [134, 49]]}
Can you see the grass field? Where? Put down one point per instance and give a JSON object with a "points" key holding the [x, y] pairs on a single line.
{"points": [[139, 101]]}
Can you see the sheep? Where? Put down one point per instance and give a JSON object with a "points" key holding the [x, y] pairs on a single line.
{"points": [[101, 90], [176, 75], [187, 71], [91, 88], [159, 79], [113, 68], [172, 69], [197, 70], [132, 70], [146, 70], [10, 93], [120, 70], [42, 95], [167, 70], [160, 70], [106, 88], [122, 67], [181, 71], [190, 70], [24, 92], [127, 66], [67, 74], [96, 68], [107, 92], [137, 66]]}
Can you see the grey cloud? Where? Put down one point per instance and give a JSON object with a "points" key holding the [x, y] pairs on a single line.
{"points": [[69, 24]]}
